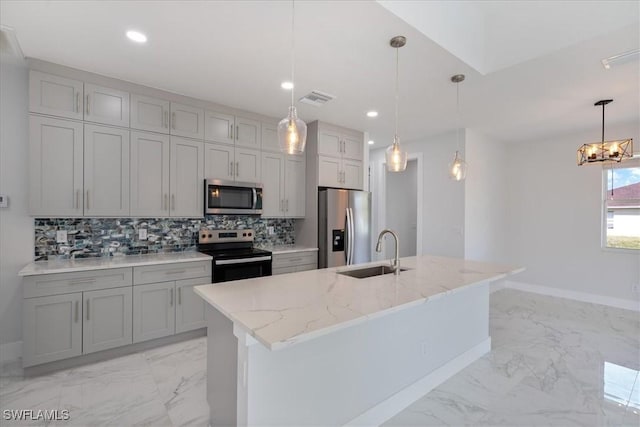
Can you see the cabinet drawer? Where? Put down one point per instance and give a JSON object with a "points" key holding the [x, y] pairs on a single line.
{"points": [[169, 272], [65, 283], [283, 270], [294, 259]]}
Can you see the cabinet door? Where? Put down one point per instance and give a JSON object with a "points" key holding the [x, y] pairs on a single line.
{"points": [[219, 127], [153, 311], [248, 133], [55, 167], [329, 143], [270, 137], [352, 174], [272, 179], [149, 174], [150, 114], [352, 148], [107, 318], [218, 161], [247, 165], [186, 178], [54, 95], [294, 186], [187, 121], [106, 171], [52, 328], [105, 105], [329, 172], [190, 308]]}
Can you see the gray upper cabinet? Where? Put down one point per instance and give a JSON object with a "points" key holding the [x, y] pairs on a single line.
{"points": [[219, 162], [106, 171], [150, 154], [106, 105], [55, 162], [55, 95], [150, 114], [219, 127], [352, 148], [283, 178], [270, 137], [52, 328], [107, 319], [228, 129], [329, 143], [186, 178], [187, 121]]}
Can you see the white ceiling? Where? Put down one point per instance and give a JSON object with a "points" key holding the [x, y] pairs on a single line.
{"points": [[544, 63]]}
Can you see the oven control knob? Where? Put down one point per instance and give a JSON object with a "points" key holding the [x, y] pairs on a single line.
{"points": [[204, 235], [249, 234], [210, 235], [244, 234]]}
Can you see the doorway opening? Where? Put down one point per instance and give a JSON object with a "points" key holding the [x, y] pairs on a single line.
{"points": [[401, 206]]}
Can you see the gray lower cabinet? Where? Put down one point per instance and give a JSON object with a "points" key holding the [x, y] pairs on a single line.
{"points": [[294, 262], [52, 328], [153, 311], [190, 308], [106, 319]]}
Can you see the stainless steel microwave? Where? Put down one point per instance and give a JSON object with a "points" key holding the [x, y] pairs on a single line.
{"points": [[230, 197]]}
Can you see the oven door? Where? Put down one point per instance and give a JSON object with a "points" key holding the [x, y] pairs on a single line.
{"points": [[222, 197], [226, 270]]}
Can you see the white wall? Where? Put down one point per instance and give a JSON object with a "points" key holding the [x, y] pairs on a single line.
{"points": [[16, 226], [402, 209], [485, 199], [443, 199], [555, 218]]}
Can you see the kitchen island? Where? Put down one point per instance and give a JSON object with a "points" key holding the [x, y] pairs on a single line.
{"points": [[323, 348]]}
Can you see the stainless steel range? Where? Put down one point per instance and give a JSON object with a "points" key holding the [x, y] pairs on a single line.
{"points": [[234, 256]]}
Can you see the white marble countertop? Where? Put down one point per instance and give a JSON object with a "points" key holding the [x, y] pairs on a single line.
{"points": [[288, 249], [101, 263], [286, 309]]}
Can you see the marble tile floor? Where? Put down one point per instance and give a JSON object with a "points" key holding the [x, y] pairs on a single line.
{"points": [[554, 362]]}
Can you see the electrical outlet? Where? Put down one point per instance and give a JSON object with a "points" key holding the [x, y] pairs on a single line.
{"points": [[61, 236], [142, 234], [271, 230]]}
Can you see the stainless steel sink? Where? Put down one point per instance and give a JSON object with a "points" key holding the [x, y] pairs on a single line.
{"points": [[363, 273]]}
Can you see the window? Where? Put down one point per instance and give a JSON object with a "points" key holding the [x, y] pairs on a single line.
{"points": [[622, 207]]}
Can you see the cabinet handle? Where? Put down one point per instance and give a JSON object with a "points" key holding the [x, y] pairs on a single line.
{"points": [[173, 120], [77, 199], [179, 296], [87, 199], [237, 132], [77, 102], [77, 315], [237, 168], [88, 309], [82, 281], [164, 204], [173, 202], [230, 168], [175, 272], [281, 204], [171, 296], [87, 104], [286, 205], [230, 131]]}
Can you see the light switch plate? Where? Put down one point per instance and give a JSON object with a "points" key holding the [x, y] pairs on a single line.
{"points": [[271, 231], [61, 236], [142, 234], [4, 201]]}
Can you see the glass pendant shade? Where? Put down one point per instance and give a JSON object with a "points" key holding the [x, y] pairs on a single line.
{"points": [[292, 133], [458, 168], [396, 158]]}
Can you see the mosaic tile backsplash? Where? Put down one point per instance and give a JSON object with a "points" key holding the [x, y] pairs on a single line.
{"points": [[96, 237]]}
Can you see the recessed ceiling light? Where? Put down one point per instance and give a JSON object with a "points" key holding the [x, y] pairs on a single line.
{"points": [[136, 36], [371, 142], [372, 114], [286, 85]]}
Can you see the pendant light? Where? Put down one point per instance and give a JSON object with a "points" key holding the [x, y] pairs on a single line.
{"points": [[458, 167], [605, 151], [396, 158], [292, 131]]}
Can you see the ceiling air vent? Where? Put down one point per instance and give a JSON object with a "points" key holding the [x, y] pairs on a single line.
{"points": [[316, 98]]}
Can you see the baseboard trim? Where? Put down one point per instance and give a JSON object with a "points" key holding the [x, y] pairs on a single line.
{"points": [[386, 409], [574, 295], [10, 351]]}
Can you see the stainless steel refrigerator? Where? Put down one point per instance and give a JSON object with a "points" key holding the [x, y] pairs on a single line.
{"points": [[344, 227]]}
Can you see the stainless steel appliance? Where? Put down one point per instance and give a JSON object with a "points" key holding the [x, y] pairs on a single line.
{"points": [[230, 197], [234, 256], [344, 227]]}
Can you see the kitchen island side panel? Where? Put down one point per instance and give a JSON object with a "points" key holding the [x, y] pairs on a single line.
{"points": [[334, 378]]}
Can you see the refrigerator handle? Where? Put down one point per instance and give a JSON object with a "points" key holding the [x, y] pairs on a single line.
{"points": [[352, 234], [347, 237]]}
